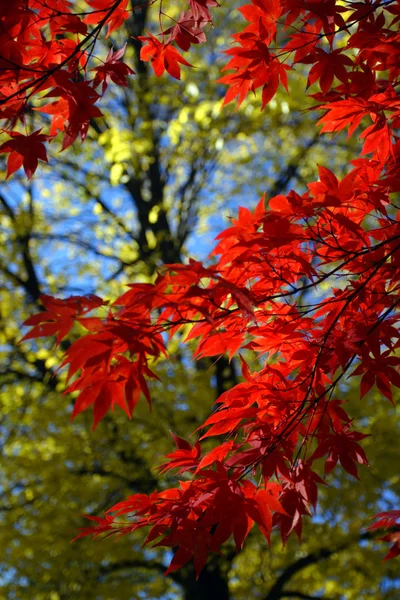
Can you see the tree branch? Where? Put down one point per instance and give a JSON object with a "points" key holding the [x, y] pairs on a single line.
{"points": [[302, 596], [277, 591], [151, 565]]}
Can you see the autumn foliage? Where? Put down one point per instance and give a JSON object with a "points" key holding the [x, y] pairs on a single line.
{"points": [[306, 286]]}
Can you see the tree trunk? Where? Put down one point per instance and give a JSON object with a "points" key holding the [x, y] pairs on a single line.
{"points": [[211, 585]]}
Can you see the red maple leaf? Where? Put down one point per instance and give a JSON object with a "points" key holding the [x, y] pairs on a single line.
{"points": [[184, 458], [74, 109], [163, 57], [113, 70], [26, 151], [342, 446], [102, 8], [187, 31], [59, 315], [326, 66], [389, 520], [200, 8]]}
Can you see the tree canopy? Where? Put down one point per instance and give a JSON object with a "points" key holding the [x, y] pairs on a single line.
{"points": [[305, 286]]}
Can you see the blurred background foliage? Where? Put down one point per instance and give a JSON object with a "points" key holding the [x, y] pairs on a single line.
{"points": [[155, 181]]}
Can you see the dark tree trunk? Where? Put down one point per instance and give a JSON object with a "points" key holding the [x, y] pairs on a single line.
{"points": [[211, 585]]}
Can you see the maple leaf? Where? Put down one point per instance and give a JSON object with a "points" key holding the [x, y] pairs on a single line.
{"points": [[104, 525], [26, 151], [163, 57], [187, 31], [302, 44], [380, 370], [74, 110], [218, 454], [295, 507], [342, 446], [239, 85], [113, 70], [200, 10], [277, 74], [117, 13], [326, 66], [387, 520], [305, 481], [343, 113], [184, 458], [67, 23], [392, 538], [59, 315], [377, 140]]}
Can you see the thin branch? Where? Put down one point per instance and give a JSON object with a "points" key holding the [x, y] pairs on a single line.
{"points": [[277, 591], [302, 596]]}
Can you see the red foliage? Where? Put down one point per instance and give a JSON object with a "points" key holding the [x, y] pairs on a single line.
{"points": [[25, 151], [112, 70], [163, 57], [263, 293], [389, 519], [47, 50]]}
